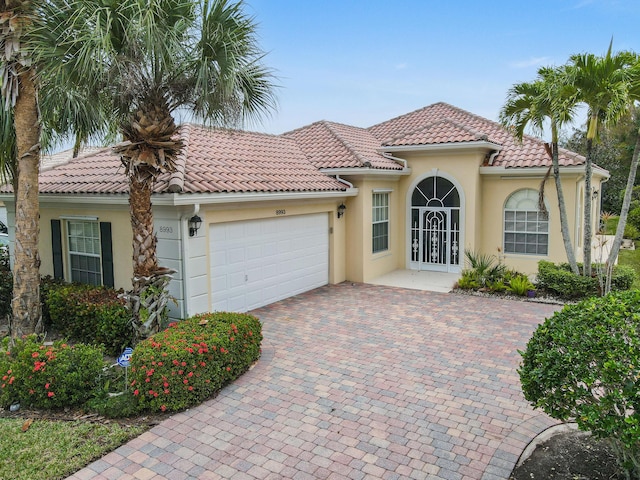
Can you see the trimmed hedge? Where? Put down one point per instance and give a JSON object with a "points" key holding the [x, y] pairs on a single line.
{"points": [[560, 280], [193, 359], [583, 363], [90, 314], [53, 376]]}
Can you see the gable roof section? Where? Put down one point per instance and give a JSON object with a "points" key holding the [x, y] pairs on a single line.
{"points": [[334, 145], [442, 123], [213, 161]]}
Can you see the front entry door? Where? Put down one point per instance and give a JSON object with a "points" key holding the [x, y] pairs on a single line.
{"points": [[436, 239], [435, 226]]}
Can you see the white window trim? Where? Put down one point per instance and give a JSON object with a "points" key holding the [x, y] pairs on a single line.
{"points": [[67, 247], [387, 221], [504, 230]]}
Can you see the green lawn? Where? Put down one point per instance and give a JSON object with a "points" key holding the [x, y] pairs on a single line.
{"points": [[56, 449]]}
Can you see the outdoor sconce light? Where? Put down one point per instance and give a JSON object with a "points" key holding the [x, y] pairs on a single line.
{"points": [[194, 225], [341, 209]]}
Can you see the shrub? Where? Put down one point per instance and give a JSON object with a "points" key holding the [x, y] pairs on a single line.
{"points": [[633, 218], [560, 280], [583, 363], [520, 285], [90, 314], [631, 232], [468, 281], [192, 359], [48, 376]]}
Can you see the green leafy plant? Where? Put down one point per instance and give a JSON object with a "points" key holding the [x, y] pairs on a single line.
{"points": [[468, 281], [497, 286], [559, 280], [90, 314], [583, 364], [48, 376], [6, 282], [192, 359], [485, 268], [520, 285]]}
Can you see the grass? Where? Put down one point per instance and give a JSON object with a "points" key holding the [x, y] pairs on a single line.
{"points": [[56, 449]]}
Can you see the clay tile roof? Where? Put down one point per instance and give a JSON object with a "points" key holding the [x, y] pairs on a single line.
{"points": [[214, 161], [334, 145], [443, 123], [238, 161], [440, 131]]}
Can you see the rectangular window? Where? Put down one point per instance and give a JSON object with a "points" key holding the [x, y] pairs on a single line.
{"points": [[380, 222], [526, 232], [84, 251]]}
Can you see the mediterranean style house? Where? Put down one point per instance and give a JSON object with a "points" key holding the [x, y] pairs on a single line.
{"points": [[250, 218]]}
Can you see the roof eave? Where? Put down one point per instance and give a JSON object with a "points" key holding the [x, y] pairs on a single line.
{"points": [[365, 171], [434, 147], [539, 172]]}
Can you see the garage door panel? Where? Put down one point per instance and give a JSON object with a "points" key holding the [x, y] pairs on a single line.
{"points": [[258, 262]]}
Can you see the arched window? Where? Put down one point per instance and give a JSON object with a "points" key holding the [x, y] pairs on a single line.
{"points": [[526, 229]]}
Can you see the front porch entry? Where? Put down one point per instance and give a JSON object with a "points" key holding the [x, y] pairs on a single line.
{"points": [[435, 226]]}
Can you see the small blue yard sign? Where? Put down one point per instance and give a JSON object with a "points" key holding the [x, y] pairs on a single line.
{"points": [[125, 358]]}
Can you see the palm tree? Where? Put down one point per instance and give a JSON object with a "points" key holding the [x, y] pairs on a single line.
{"points": [[532, 104], [603, 84], [145, 60], [20, 103], [634, 93]]}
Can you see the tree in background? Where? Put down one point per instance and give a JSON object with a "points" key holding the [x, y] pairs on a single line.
{"points": [[613, 152]]}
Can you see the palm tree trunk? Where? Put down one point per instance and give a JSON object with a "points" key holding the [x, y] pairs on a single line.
{"points": [[622, 222], [145, 262], [26, 276], [564, 220], [586, 239]]}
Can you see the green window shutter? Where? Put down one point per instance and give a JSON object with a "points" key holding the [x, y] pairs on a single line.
{"points": [[56, 245], [107, 254]]}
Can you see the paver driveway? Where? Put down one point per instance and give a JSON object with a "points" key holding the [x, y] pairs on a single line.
{"points": [[359, 381]]}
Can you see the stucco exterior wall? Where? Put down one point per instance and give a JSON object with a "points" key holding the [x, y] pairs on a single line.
{"points": [[117, 215], [461, 168]]}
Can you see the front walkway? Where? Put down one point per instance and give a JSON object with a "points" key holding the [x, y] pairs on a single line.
{"points": [[359, 381]]}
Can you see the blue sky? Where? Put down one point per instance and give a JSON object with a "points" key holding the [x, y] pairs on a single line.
{"points": [[361, 62]]}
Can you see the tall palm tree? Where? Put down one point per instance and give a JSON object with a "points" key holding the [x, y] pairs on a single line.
{"points": [[533, 104], [20, 102], [634, 96], [146, 59], [603, 84]]}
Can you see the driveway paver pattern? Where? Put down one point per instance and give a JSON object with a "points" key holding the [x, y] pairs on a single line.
{"points": [[358, 381]]}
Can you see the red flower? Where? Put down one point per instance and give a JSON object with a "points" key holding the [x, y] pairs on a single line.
{"points": [[228, 369], [190, 388], [35, 354], [163, 407], [150, 372], [136, 392], [185, 381], [50, 394], [38, 365], [190, 374], [11, 380], [46, 386]]}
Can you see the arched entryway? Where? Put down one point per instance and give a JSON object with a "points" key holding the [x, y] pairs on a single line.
{"points": [[435, 228]]}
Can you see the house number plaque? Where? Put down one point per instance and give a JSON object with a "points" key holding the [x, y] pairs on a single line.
{"points": [[281, 212]]}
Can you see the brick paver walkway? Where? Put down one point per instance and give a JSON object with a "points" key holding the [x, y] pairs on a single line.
{"points": [[358, 381]]}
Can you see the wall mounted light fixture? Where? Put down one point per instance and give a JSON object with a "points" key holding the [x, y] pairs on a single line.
{"points": [[194, 225], [341, 209]]}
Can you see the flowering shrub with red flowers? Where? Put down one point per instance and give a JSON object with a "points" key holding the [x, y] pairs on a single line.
{"points": [[48, 376], [193, 359]]}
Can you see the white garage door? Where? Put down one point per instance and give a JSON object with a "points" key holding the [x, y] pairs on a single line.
{"points": [[258, 262]]}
